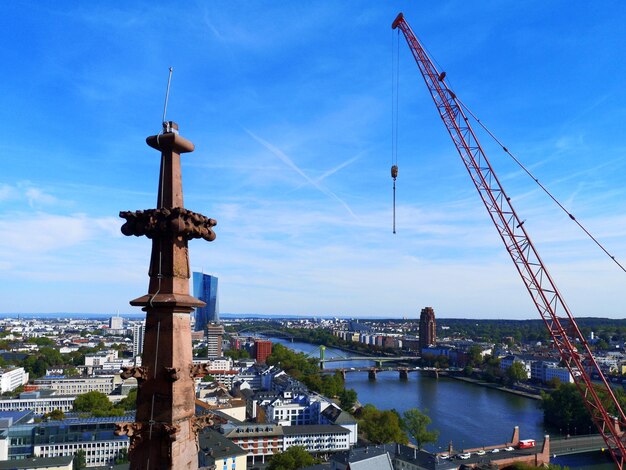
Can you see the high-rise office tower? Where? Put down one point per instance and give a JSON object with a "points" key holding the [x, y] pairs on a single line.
{"points": [[215, 333], [428, 328], [205, 289], [262, 349], [116, 323], [139, 330]]}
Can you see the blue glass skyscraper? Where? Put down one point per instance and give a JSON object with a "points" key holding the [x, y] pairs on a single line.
{"points": [[205, 289]]}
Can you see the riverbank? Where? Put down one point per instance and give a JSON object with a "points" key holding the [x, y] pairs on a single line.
{"points": [[493, 386], [462, 378], [339, 347]]}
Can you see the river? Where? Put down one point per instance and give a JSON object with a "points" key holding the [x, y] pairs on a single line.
{"points": [[465, 414]]}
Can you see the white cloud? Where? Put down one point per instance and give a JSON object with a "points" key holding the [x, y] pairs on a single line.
{"points": [[38, 197], [43, 233], [7, 192], [28, 192]]}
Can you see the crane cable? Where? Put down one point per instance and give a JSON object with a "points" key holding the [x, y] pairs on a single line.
{"points": [[394, 118], [536, 180]]}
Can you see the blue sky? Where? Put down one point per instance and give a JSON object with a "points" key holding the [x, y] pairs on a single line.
{"points": [[289, 106]]}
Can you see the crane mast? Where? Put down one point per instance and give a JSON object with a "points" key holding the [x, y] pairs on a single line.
{"points": [[567, 337]]}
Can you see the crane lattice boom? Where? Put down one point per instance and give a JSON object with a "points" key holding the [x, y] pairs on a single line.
{"points": [[567, 337]]}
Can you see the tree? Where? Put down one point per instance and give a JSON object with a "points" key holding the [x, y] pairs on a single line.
{"points": [[517, 372], [292, 459], [52, 356], [332, 385], [41, 341], [54, 415], [298, 365], [97, 404], [563, 408], [130, 402], [602, 345], [14, 393], [492, 368], [442, 362], [80, 460], [121, 457], [554, 382], [237, 354], [347, 399], [414, 423], [381, 427], [475, 355], [526, 466], [313, 382], [36, 366]]}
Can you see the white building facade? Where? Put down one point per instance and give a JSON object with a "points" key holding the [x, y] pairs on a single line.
{"points": [[79, 385], [10, 379], [38, 405], [139, 331]]}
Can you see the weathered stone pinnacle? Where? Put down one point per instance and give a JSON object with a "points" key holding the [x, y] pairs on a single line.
{"points": [[164, 435]]}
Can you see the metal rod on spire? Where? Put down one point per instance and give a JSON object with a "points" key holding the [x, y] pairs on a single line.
{"points": [[167, 95]]}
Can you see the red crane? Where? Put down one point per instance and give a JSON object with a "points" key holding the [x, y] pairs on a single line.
{"points": [[567, 337]]}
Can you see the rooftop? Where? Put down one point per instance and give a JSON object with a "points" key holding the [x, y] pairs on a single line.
{"points": [[421, 459], [36, 462], [216, 446], [8, 418], [313, 429], [336, 415]]}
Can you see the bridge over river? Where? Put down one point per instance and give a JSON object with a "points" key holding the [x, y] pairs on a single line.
{"points": [[403, 371], [576, 444], [378, 360]]}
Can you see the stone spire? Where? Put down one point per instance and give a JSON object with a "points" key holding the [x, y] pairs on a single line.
{"points": [[164, 435]]}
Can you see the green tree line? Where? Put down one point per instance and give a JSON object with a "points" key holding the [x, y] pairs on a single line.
{"points": [[564, 409]]}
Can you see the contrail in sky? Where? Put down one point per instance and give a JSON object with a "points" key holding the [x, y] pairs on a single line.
{"points": [[332, 171], [337, 168], [289, 162]]}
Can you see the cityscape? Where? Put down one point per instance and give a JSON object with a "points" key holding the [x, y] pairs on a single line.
{"points": [[286, 307], [50, 366]]}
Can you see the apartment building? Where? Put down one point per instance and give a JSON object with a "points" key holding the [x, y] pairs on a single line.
{"points": [[10, 379], [78, 385], [317, 438], [261, 441], [39, 402], [289, 409], [62, 438]]}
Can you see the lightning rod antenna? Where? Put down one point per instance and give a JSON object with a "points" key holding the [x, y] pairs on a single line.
{"points": [[167, 97]]}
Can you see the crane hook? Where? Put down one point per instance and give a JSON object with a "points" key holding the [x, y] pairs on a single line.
{"points": [[394, 175]]}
